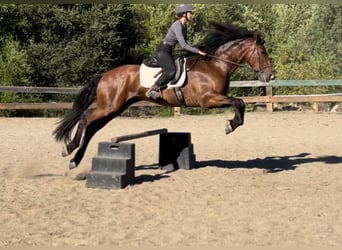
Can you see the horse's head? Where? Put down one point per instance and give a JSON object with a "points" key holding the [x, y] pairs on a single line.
{"points": [[256, 57], [233, 44]]}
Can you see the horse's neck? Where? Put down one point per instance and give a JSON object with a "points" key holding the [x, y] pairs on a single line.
{"points": [[231, 50], [231, 53], [228, 45]]}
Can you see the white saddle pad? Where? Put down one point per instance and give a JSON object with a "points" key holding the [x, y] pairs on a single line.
{"points": [[149, 75]]}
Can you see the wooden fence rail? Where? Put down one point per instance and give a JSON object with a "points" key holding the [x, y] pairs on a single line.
{"points": [[269, 98]]}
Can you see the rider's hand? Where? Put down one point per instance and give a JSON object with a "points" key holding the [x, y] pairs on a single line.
{"points": [[202, 53]]}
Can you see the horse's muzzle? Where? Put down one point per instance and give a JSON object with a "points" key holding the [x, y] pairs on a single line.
{"points": [[266, 74]]}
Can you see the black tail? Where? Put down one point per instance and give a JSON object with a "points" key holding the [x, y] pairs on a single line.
{"points": [[82, 101]]}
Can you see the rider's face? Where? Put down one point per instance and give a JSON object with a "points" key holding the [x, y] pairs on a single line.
{"points": [[189, 15]]}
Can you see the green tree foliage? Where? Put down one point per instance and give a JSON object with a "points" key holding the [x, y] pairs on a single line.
{"points": [[14, 71], [14, 66], [153, 20], [308, 46], [68, 44], [151, 24], [204, 13], [325, 33]]}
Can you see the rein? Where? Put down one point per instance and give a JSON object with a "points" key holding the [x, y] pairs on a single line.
{"points": [[227, 61], [217, 58], [261, 69]]}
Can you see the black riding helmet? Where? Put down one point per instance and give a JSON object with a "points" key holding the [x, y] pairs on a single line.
{"points": [[183, 8]]}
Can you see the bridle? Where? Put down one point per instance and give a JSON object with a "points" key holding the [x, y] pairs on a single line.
{"points": [[261, 68]]}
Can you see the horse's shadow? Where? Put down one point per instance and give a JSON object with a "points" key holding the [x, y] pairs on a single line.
{"points": [[271, 164]]}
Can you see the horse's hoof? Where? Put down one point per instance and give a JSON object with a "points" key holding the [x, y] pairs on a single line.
{"points": [[72, 165], [229, 129], [64, 152]]}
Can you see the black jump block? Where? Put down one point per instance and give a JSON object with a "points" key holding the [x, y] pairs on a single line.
{"points": [[113, 167], [176, 151]]}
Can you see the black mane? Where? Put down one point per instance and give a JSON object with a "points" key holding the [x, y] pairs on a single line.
{"points": [[221, 33]]}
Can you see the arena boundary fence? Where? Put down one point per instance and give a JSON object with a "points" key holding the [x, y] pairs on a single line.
{"points": [[269, 99]]}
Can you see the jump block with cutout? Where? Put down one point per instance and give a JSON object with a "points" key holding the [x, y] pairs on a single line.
{"points": [[114, 165]]}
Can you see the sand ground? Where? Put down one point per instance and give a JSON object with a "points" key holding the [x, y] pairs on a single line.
{"points": [[274, 181]]}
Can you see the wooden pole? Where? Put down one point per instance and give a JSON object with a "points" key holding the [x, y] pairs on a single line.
{"points": [[138, 135]]}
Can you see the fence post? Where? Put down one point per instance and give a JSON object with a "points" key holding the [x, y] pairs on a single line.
{"points": [[177, 111], [269, 103]]}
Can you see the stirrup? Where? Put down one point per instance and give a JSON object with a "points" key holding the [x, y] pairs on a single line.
{"points": [[154, 93]]}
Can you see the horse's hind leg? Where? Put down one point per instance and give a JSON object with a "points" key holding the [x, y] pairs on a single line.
{"points": [[71, 146], [95, 122], [238, 106]]}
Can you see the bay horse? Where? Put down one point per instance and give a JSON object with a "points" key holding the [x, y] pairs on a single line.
{"points": [[206, 86]]}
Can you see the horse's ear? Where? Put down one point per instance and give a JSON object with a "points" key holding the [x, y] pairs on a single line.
{"points": [[257, 37]]}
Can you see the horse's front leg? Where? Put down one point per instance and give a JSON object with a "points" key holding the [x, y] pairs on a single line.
{"points": [[221, 101], [238, 106]]}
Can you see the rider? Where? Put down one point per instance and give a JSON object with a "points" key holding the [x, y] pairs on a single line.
{"points": [[176, 34]]}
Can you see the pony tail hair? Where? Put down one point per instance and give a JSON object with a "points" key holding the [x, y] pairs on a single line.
{"points": [[82, 101]]}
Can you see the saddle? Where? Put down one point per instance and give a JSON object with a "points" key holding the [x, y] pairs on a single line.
{"points": [[150, 71]]}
